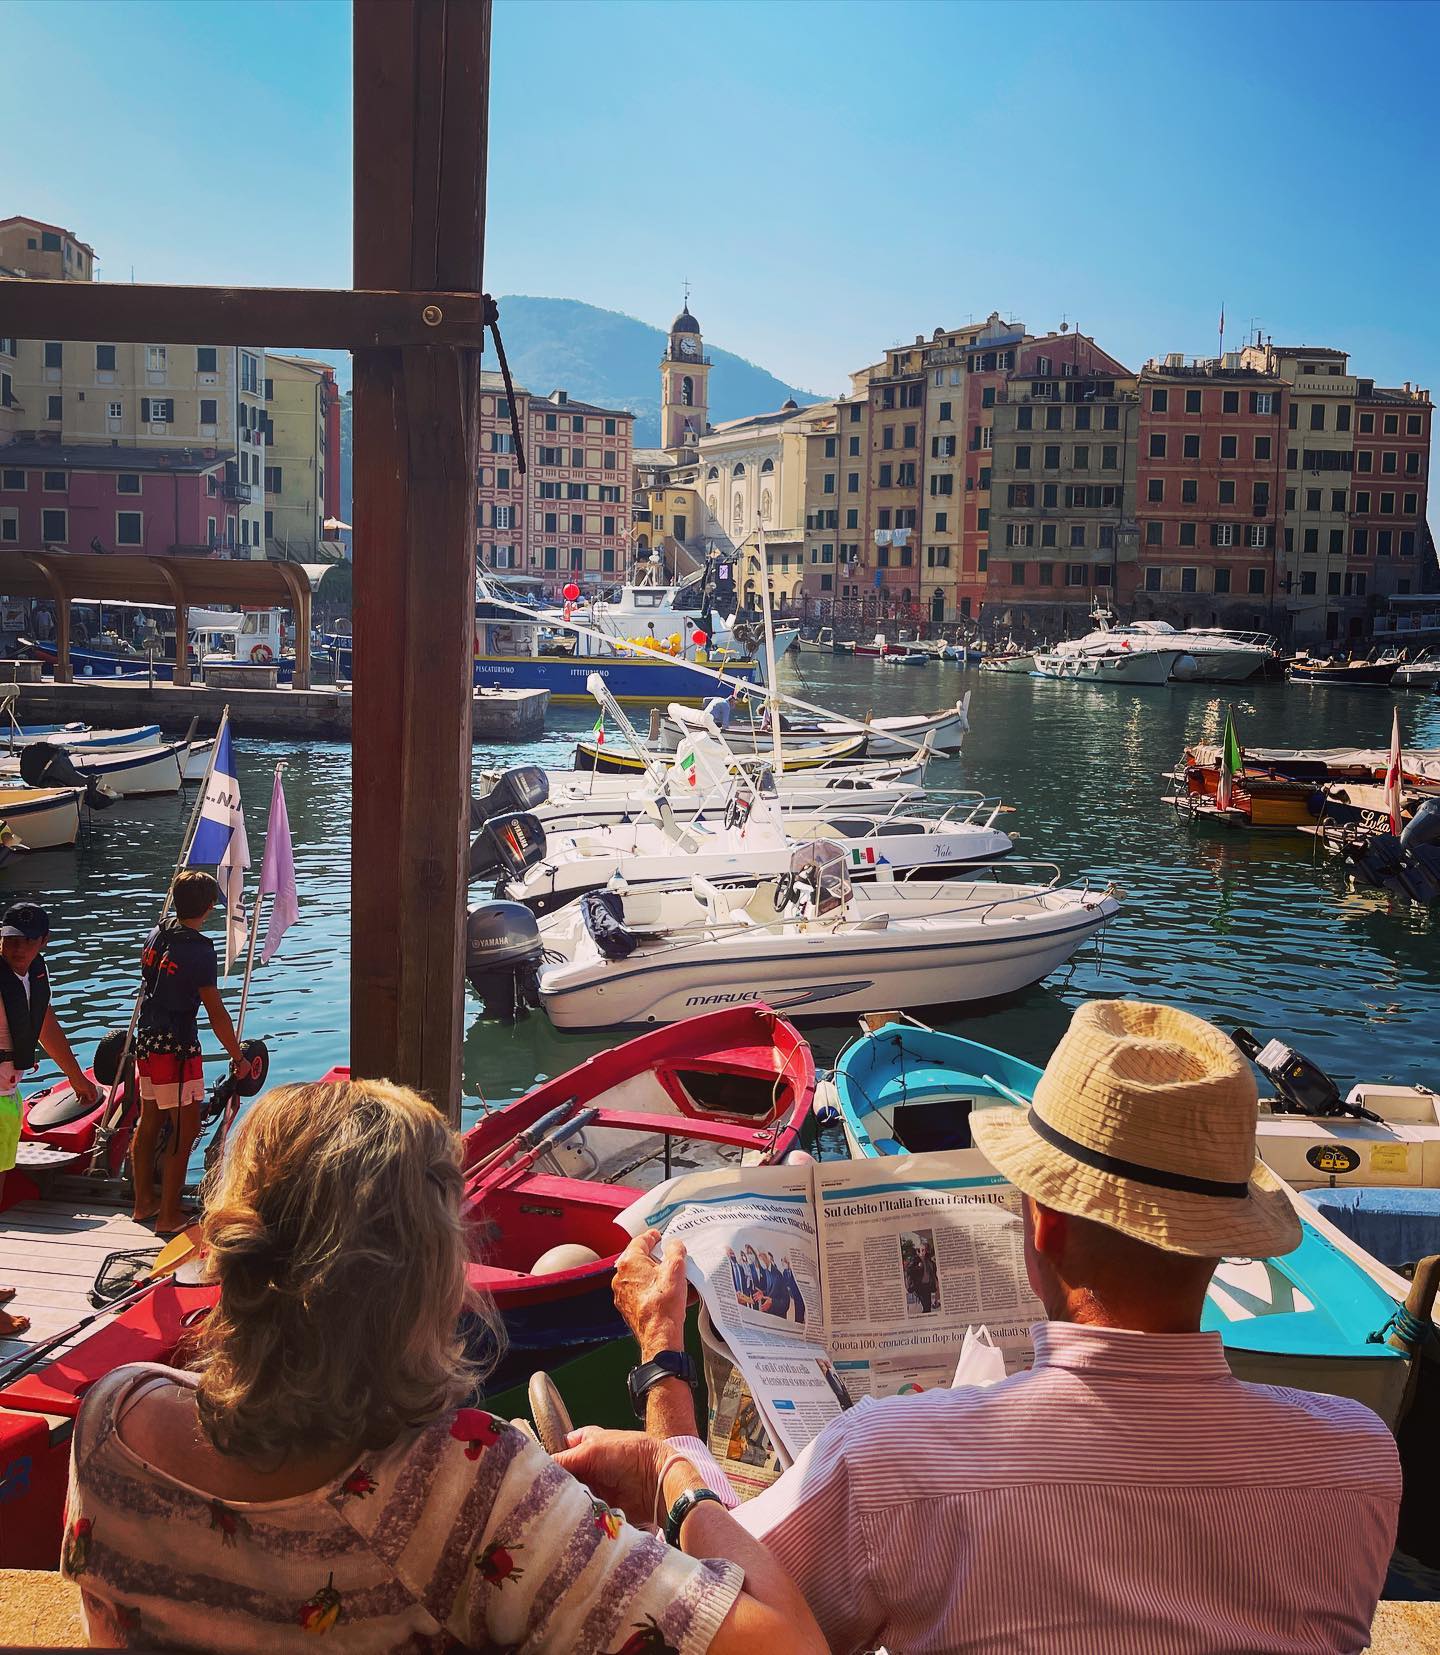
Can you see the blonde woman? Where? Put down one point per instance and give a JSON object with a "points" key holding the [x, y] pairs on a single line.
{"points": [[320, 1471]]}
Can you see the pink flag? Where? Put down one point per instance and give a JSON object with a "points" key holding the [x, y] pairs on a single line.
{"points": [[1392, 777], [277, 872]]}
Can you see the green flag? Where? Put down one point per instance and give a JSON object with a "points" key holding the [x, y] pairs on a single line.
{"points": [[1232, 761]]}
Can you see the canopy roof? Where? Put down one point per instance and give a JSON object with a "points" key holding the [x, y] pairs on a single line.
{"points": [[163, 580]]}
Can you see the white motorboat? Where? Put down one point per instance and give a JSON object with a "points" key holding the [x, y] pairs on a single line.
{"points": [[1021, 663], [80, 738], [884, 737], [42, 818], [751, 838], [127, 772], [1423, 673], [1212, 654], [1113, 666], [806, 942]]}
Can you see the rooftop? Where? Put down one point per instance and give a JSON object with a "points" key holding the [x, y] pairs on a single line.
{"points": [[51, 456], [1309, 350], [730, 427], [562, 399], [40, 224], [493, 381]]}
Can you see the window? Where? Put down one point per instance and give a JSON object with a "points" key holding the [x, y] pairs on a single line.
{"points": [[1307, 584], [1317, 416], [1227, 448], [1257, 535], [274, 482], [1155, 490], [209, 411], [55, 482], [886, 475], [1332, 585], [887, 437], [1191, 446], [156, 357], [610, 428], [829, 450], [204, 359], [1111, 419], [503, 442], [1154, 534], [55, 408], [13, 482], [1022, 457], [942, 521], [1392, 424], [1262, 448], [1222, 582], [1367, 424], [1262, 402], [577, 523], [1337, 499], [9, 525], [1388, 463], [1052, 456], [1077, 534], [1383, 542], [127, 482], [1017, 574], [942, 484], [54, 355], [854, 413], [852, 518], [982, 518], [1342, 419], [1152, 579], [909, 437], [1412, 425], [1230, 402], [1159, 402], [1227, 491], [1260, 497], [1109, 457], [944, 410], [1157, 445], [1222, 534], [1189, 491], [54, 526], [987, 396], [853, 447], [1187, 534], [1312, 540], [1077, 574], [1082, 456], [1047, 535], [1411, 504], [1412, 465], [982, 560], [1052, 419], [1257, 583], [1188, 579], [1407, 543], [129, 528], [1023, 418], [502, 477], [577, 458], [1192, 402], [1050, 494], [157, 410]]}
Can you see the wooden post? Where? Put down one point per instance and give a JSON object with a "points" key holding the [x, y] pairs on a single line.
{"points": [[63, 674], [421, 108]]}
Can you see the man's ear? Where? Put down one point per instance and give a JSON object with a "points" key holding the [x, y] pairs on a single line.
{"points": [[1049, 1229]]}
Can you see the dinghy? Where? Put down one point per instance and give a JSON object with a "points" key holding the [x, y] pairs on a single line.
{"points": [[127, 772], [884, 737], [80, 738], [42, 818], [1315, 1319], [614, 761], [546, 1175], [808, 942]]}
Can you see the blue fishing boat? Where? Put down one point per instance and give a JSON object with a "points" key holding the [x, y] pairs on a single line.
{"points": [[1316, 1318]]}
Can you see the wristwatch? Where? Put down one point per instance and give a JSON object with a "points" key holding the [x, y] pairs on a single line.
{"points": [[665, 1364], [682, 1509]]}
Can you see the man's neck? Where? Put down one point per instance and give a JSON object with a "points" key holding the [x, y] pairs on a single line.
{"points": [[1083, 1307]]}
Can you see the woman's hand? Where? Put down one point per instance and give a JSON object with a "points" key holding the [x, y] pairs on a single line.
{"points": [[650, 1295], [621, 1467]]}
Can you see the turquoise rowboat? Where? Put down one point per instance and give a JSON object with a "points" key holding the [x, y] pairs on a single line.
{"points": [[1315, 1319]]}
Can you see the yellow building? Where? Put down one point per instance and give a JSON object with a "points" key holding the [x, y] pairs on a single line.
{"points": [[45, 252], [298, 393]]}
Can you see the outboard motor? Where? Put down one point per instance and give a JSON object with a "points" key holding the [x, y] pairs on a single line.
{"points": [[526, 787], [43, 764], [1408, 866], [503, 956], [1301, 1087], [510, 844]]}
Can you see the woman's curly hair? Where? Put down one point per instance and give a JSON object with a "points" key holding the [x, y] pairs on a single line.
{"points": [[336, 1239]]}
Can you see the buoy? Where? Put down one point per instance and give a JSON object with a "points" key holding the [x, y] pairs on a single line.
{"points": [[569, 1255]]}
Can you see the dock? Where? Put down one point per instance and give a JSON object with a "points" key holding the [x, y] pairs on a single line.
{"points": [[290, 714]]}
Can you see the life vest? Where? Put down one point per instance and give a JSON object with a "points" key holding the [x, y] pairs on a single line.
{"points": [[170, 1000], [26, 1017]]}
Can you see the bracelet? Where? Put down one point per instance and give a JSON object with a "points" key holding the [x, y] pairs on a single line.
{"points": [[672, 1459], [682, 1508]]}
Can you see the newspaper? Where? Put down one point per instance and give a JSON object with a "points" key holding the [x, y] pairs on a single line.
{"points": [[837, 1280]]}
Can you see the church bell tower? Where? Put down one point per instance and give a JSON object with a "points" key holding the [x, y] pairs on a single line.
{"points": [[684, 397]]}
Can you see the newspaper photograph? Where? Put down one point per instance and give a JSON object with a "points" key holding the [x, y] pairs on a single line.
{"points": [[833, 1281]]}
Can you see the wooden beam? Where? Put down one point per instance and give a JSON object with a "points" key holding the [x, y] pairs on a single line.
{"points": [[274, 317], [421, 109]]}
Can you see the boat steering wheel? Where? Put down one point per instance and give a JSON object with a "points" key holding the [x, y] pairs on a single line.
{"points": [[785, 887]]}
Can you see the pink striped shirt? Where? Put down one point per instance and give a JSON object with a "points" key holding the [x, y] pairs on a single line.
{"points": [[1126, 1496]]}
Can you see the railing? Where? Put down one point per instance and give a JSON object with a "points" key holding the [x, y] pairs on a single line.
{"points": [[243, 492]]}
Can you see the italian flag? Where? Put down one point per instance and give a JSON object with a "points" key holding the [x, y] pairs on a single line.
{"points": [[600, 730], [1392, 777], [1231, 762], [687, 768], [859, 857]]}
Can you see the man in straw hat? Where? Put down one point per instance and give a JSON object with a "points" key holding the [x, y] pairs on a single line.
{"points": [[1125, 1494]]}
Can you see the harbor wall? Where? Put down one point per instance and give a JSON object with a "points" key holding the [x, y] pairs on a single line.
{"points": [[299, 715]]}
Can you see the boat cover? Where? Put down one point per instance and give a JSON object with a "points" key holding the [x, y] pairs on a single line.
{"points": [[604, 916], [1396, 1224], [1415, 761]]}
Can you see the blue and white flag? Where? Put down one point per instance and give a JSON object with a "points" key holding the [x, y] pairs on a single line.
{"points": [[220, 841]]}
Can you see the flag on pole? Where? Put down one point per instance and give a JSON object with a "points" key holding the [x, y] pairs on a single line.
{"points": [[220, 841], [277, 872], [1392, 777], [600, 730], [1231, 762], [1222, 319], [687, 768]]}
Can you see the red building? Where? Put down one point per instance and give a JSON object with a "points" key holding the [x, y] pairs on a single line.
{"points": [[1389, 543], [89, 498], [1211, 493]]}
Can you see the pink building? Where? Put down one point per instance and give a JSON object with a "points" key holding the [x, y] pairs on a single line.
{"points": [[88, 498]]}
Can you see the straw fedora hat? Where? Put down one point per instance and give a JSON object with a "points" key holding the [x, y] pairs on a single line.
{"points": [[1145, 1120]]}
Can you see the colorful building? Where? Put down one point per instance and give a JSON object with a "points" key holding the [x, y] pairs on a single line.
{"points": [[97, 498], [684, 388], [1390, 543], [1211, 507], [568, 516], [302, 458], [1062, 528]]}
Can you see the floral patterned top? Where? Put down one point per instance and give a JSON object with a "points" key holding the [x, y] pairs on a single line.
{"points": [[464, 1535]]}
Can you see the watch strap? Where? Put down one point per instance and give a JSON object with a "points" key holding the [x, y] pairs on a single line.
{"points": [[665, 1364], [682, 1508]]}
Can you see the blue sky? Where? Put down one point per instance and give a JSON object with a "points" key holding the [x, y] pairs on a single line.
{"points": [[832, 175]]}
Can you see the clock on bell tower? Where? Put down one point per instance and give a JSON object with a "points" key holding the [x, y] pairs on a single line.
{"points": [[684, 396]]}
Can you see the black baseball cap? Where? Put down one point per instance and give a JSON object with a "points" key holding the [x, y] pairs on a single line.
{"points": [[27, 920]]}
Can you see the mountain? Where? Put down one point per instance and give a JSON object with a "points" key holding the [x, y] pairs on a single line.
{"points": [[599, 356], [605, 357]]}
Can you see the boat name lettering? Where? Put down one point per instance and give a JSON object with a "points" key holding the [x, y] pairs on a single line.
{"points": [[1332, 1158]]}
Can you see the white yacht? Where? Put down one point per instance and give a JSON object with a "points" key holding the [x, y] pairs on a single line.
{"points": [[1211, 654]]}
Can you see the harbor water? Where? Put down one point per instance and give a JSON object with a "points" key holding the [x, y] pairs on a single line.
{"points": [[1245, 929]]}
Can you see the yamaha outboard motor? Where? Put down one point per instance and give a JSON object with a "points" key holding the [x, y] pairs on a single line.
{"points": [[503, 956], [1301, 1087], [509, 844], [526, 787], [43, 764]]}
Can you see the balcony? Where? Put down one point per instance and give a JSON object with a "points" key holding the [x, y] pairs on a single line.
{"points": [[244, 493]]}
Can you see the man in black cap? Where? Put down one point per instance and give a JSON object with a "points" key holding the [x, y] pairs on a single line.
{"points": [[27, 1027]]}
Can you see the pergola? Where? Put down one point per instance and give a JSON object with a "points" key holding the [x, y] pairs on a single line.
{"points": [[174, 582], [414, 321]]}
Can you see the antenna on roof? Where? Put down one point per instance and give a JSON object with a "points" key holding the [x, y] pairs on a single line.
{"points": [[687, 293]]}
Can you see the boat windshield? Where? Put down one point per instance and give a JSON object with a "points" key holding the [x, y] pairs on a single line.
{"points": [[822, 863]]}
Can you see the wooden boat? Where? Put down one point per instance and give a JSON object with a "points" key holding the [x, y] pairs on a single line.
{"points": [[1290, 792], [1315, 1319], [735, 1084], [80, 738], [615, 761], [1363, 675], [884, 737], [127, 772], [42, 818]]}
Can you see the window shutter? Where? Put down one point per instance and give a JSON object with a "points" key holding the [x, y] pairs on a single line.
{"points": [[1214, 534], [144, 410]]}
